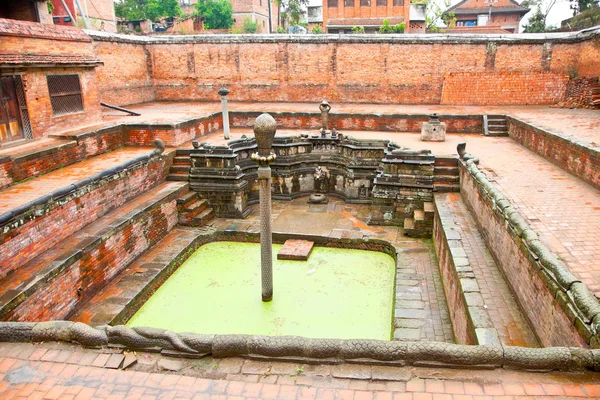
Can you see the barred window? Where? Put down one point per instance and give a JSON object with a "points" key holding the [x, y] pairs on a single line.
{"points": [[65, 94]]}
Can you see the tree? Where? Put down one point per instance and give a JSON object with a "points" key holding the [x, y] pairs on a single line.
{"points": [[541, 9], [217, 14], [147, 9], [292, 13], [435, 15], [579, 6]]}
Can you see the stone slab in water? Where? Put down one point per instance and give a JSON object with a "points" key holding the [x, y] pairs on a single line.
{"points": [[298, 250]]}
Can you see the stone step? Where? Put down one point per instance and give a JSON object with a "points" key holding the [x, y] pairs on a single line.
{"points": [[123, 295], [187, 198], [198, 205], [445, 161], [497, 133], [409, 223], [50, 285], [178, 177], [183, 169], [445, 179], [446, 187], [204, 217], [419, 215], [428, 207], [182, 160], [445, 170]]}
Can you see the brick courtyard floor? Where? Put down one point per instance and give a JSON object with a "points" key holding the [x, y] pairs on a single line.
{"points": [[60, 371]]}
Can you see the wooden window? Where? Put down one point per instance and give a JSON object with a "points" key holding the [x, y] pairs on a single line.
{"points": [[348, 3], [65, 94], [381, 3], [332, 3], [398, 3], [365, 3]]}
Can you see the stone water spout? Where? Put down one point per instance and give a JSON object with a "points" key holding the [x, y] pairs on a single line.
{"points": [[325, 108]]}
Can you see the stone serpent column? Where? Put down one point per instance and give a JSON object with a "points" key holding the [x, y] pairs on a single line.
{"points": [[264, 132]]}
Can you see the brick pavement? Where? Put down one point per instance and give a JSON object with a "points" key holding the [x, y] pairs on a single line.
{"points": [[61, 371]]}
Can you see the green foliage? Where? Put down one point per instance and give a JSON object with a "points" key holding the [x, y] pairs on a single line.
{"points": [[536, 24], [50, 5], [147, 9], [217, 14], [250, 27], [386, 27], [292, 12], [358, 29], [280, 29], [399, 28], [579, 6], [317, 30]]}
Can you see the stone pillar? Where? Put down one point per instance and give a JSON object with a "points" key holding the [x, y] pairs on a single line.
{"points": [[223, 92], [264, 132]]}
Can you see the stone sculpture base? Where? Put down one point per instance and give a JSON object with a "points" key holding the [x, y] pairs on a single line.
{"points": [[433, 132]]}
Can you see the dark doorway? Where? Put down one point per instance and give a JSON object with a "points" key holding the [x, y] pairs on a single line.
{"points": [[11, 109]]}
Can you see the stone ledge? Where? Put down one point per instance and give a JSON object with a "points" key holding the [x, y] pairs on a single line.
{"points": [[295, 348]]}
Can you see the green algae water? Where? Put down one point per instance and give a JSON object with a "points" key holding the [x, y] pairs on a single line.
{"points": [[337, 293]]}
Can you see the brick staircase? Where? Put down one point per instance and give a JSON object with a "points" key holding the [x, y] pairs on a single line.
{"points": [[194, 211], [445, 174], [421, 223], [496, 125], [180, 170]]}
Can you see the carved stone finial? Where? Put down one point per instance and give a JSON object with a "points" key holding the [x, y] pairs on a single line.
{"points": [[264, 132], [325, 108], [223, 91]]}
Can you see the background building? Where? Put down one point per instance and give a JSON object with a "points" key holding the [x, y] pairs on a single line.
{"points": [[505, 16], [339, 16], [100, 14]]}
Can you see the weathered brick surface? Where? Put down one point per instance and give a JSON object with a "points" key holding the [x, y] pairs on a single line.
{"points": [[172, 135], [122, 82], [503, 88], [19, 245], [551, 325], [579, 159], [97, 267], [368, 71]]}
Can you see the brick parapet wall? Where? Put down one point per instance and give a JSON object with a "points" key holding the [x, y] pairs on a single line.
{"points": [[23, 241], [558, 307], [12, 27], [409, 69], [574, 156]]}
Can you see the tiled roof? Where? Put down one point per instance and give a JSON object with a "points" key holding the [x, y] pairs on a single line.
{"points": [[12, 59], [332, 22], [481, 7], [11, 27]]}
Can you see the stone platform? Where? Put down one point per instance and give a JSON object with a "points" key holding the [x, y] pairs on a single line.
{"points": [[298, 250]]}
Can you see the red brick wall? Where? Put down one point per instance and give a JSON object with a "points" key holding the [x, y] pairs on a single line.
{"points": [[123, 83], [402, 70], [97, 267], [503, 88], [174, 135], [43, 121], [373, 122], [548, 320], [589, 58], [576, 158], [22, 244]]}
